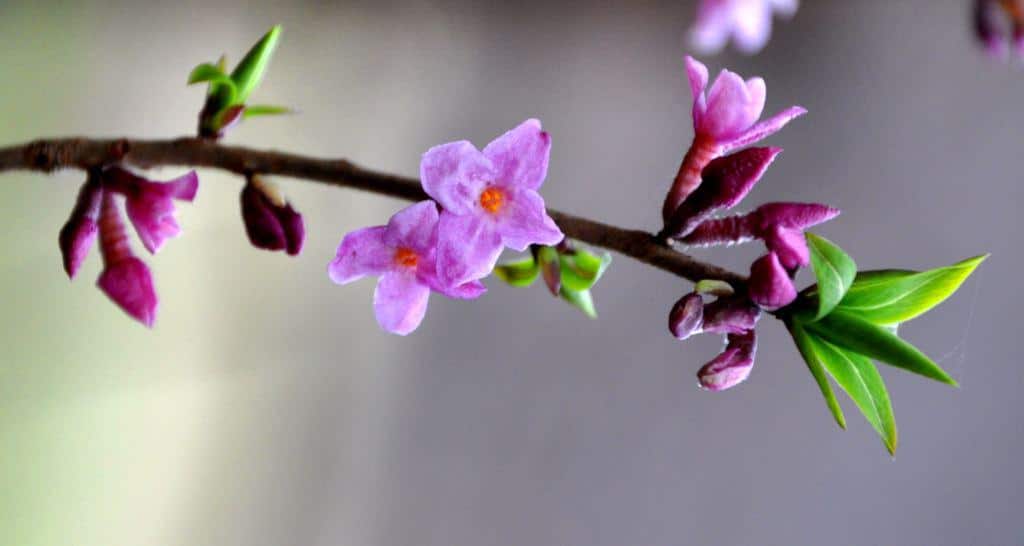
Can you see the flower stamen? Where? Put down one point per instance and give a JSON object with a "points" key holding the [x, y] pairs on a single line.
{"points": [[406, 257], [492, 200]]}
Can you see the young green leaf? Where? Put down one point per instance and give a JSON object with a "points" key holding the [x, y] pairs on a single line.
{"points": [[893, 296], [834, 270], [857, 375], [265, 110], [207, 72], [580, 299], [812, 356], [520, 273], [856, 334], [713, 287], [582, 269], [250, 69]]}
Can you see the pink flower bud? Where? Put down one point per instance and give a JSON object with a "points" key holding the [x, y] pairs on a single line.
{"points": [[126, 280], [270, 222], [687, 316], [732, 315], [150, 205], [79, 233], [732, 366], [770, 285]]}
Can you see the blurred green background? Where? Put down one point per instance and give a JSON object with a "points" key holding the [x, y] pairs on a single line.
{"points": [[267, 408]]}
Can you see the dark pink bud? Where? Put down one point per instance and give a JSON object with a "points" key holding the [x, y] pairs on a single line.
{"points": [[150, 205], [798, 216], [730, 230], [687, 316], [724, 183], [770, 285], [79, 233], [732, 366], [789, 245], [733, 315], [270, 222], [126, 280]]}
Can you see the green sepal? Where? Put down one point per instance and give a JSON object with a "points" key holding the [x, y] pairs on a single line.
{"points": [[833, 268], [582, 268], [894, 296], [857, 334], [519, 273], [580, 299], [812, 357], [251, 68]]}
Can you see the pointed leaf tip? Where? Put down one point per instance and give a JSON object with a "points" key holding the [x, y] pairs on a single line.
{"points": [[251, 68]]}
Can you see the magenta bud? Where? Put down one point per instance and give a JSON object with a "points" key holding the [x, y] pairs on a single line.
{"points": [[150, 204], [732, 366], [270, 222], [725, 182], [789, 245], [770, 285], [79, 233], [129, 284], [686, 316], [798, 216], [730, 316]]}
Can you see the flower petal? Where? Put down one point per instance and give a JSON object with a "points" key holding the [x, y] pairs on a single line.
{"points": [[712, 28], [730, 315], [525, 222], [789, 245], [414, 227], [128, 283], [362, 252], [732, 106], [697, 73], [686, 316], [520, 156], [770, 285], [79, 233], [752, 25], [733, 366], [454, 174], [467, 248], [400, 302], [153, 217], [792, 215], [762, 129]]}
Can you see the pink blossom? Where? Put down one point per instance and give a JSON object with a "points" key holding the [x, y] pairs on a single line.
{"points": [[770, 285], [126, 280], [490, 200], [403, 255], [747, 22], [79, 233], [732, 366], [723, 121], [150, 204]]}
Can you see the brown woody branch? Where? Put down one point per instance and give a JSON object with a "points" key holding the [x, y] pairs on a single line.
{"points": [[86, 153]]}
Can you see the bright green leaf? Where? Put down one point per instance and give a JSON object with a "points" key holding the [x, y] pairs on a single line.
{"points": [[582, 269], [852, 332], [813, 358], [207, 72], [521, 273], [834, 270], [580, 299], [893, 296], [250, 69], [857, 375], [713, 287], [265, 110]]}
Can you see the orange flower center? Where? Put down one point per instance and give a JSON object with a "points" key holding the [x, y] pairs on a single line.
{"points": [[406, 257], [492, 199]]}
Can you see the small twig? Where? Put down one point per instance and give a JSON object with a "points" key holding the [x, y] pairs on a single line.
{"points": [[86, 153]]}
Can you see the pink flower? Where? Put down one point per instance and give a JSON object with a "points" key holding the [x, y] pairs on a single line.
{"points": [[126, 280], [770, 285], [403, 255], [490, 200], [732, 366], [724, 121], [998, 24], [270, 222], [150, 204], [779, 225], [79, 233], [747, 22]]}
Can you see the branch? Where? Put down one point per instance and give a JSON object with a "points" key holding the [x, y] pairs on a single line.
{"points": [[85, 153]]}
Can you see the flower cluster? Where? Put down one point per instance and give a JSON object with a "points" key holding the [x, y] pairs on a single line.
{"points": [[126, 279], [488, 201], [709, 183], [999, 24], [747, 22]]}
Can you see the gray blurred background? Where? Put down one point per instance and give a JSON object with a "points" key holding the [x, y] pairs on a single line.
{"points": [[267, 408]]}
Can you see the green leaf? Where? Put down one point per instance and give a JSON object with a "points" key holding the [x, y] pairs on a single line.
{"points": [[582, 269], [834, 270], [856, 334], [207, 72], [713, 287], [250, 69], [521, 273], [893, 296], [857, 375], [812, 356], [580, 299], [265, 110]]}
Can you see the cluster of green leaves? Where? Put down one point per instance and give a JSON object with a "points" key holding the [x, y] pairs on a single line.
{"points": [[228, 93], [849, 319], [568, 273]]}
